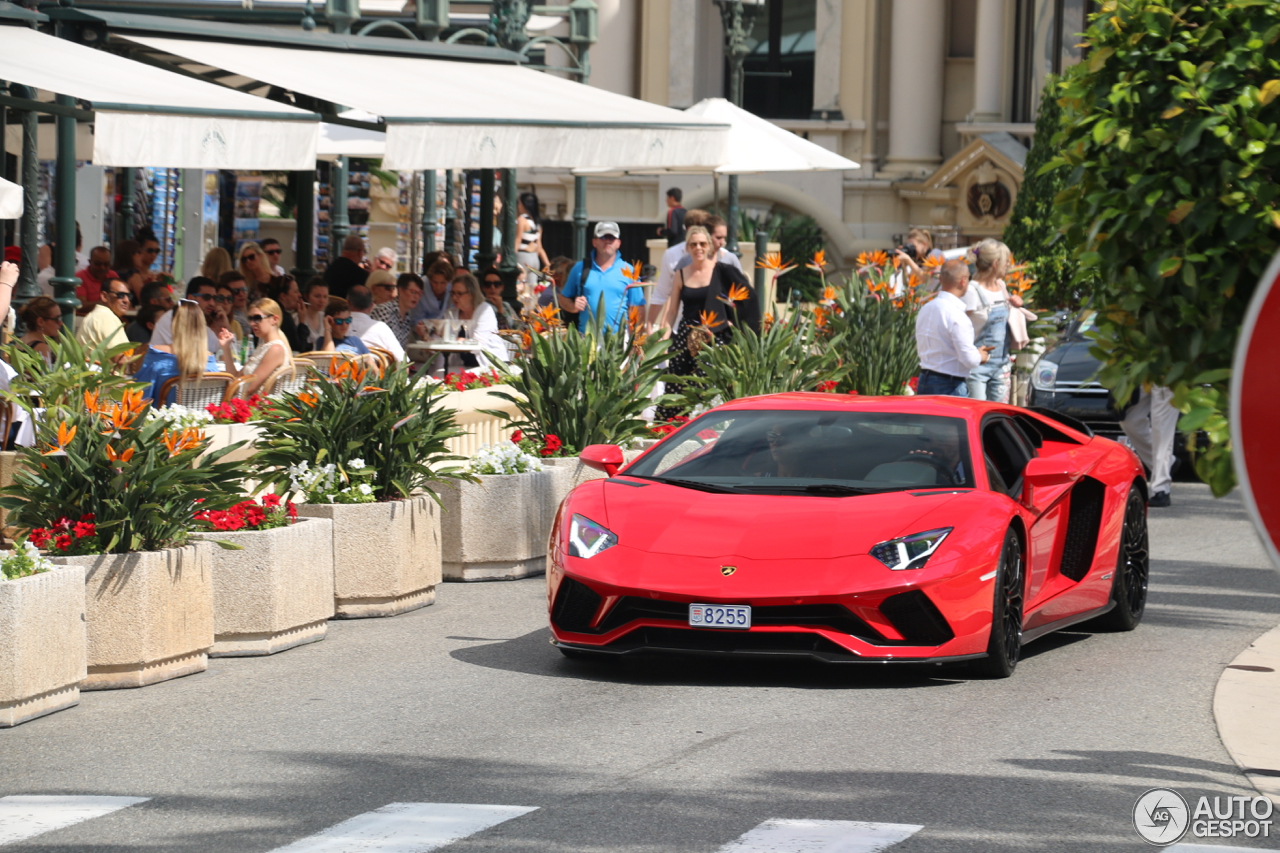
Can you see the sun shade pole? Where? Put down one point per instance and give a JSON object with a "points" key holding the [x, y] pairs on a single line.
{"points": [[28, 240], [305, 217], [64, 282], [509, 268], [485, 255]]}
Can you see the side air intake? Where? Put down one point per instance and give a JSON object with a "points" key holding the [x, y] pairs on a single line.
{"points": [[575, 607], [1083, 524]]}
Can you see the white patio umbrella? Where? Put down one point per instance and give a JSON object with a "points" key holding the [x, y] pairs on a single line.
{"points": [[755, 145], [10, 200]]}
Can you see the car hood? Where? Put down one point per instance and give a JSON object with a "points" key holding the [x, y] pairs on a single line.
{"points": [[1075, 364], [664, 519]]}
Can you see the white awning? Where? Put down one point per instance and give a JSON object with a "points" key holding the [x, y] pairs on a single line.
{"points": [[10, 200], [756, 145], [340, 140], [146, 116], [445, 114]]}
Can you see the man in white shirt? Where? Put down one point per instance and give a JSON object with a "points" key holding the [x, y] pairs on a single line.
{"points": [[676, 258], [373, 332], [202, 291], [944, 337]]}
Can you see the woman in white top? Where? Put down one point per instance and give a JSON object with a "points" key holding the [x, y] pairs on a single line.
{"points": [[529, 251], [272, 352], [988, 302], [469, 310]]}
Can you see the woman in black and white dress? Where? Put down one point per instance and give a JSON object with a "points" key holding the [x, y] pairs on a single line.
{"points": [[529, 251]]}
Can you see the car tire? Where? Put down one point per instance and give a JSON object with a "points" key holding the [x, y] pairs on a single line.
{"points": [[1133, 571], [1005, 646]]}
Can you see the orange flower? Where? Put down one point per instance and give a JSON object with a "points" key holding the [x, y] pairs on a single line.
{"points": [[548, 315], [188, 439], [91, 402], [819, 261], [879, 258], [634, 317], [933, 262], [526, 339], [773, 261], [133, 402], [828, 295], [897, 261], [117, 419], [338, 367], [632, 273], [708, 319], [738, 293], [112, 456], [309, 398], [65, 436], [820, 316]]}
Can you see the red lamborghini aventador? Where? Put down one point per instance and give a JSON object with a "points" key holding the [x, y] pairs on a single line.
{"points": [[852, 529]]}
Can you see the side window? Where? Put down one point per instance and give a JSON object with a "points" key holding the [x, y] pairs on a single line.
{"points": [[1008, 453]]}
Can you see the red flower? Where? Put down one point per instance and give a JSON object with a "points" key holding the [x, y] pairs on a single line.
{"points": [[39, 537], [62, 542], [855, 393], [88, 516], [293, 510], [913, 382], [828, 386], [517, 437], [271, 500], [84, 528], [552, 445]]}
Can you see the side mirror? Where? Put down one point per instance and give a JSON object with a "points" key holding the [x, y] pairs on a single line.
{"points": [[1046, 471], [602, 457]]}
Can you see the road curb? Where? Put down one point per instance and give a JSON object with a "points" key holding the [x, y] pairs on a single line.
{"points": [[1246, 705]]}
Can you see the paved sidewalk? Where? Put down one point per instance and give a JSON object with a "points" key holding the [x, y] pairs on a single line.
{"points": [[1246, 705]]}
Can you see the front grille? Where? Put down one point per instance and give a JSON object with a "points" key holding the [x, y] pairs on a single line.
{"points": [[575, 606], [917, 618], [1081, 541], [833, 616], [693, 640]]}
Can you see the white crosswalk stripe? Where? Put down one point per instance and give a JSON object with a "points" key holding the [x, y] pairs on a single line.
{"points": [[821, 836], [22, 817], [1214, 848], [406, 828]]}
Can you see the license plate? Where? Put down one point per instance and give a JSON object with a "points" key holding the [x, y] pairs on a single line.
{"points": [[720, 616]]}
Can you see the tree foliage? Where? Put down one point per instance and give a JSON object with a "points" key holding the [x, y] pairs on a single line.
{"points": [[1031, 234], [1169, 147]]}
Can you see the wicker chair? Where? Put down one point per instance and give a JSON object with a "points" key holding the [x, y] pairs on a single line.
{"points": [[196, 394], [385, 357], [287, 379]]}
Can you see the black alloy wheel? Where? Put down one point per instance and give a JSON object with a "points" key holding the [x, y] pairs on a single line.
{"points": [[1133, 571], [1005, 646]]}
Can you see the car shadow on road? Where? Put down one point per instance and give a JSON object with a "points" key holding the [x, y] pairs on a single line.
{"points": [[533, 654]]}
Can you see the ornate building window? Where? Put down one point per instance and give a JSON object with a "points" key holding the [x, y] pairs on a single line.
{"points": [[779, 68], [1046, 40]]}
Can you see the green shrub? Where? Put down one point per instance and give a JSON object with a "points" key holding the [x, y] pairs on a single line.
{"points": [[1169, 149]]}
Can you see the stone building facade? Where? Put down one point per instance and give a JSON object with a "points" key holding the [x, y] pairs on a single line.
{"points": [[935, 99]]}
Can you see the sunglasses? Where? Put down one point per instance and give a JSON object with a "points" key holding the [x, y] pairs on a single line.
{"points": [[151, 251], [491, 283], [56, 318], [273, 251], [249, 257], [340, 321], [239, 290], [115, 294], [774, 437], [258, 318], [221, 298]]}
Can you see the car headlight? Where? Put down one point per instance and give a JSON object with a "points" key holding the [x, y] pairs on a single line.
{"points": [[586, 538], [1044, 376], [910, 552]]}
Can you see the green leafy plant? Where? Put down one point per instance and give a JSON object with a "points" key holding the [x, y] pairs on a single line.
{"points": [[589, 388], [385, 432], [791, 355], [23, 561], [1169, 147], [875, 327], [1046, 257], [98, 457], [798, 236]]}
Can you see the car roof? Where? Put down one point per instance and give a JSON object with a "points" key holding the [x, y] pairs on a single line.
{"points": [[818, 401]]}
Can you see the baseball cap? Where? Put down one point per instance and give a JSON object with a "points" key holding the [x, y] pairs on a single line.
{"points": [[608, 229]]}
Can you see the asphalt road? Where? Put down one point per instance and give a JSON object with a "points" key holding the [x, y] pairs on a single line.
{"points": [[465, 702]]}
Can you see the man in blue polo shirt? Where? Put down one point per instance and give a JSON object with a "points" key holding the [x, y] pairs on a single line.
{"points": [[606, 278]]}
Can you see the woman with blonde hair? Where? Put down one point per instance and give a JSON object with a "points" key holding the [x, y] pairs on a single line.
{"points": [[43, 319], [188, 356], [988, 304], [254, 266], [217, 262], [272, 352], [469, 310]]}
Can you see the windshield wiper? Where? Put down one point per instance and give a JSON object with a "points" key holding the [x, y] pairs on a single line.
{"points": [[688, 484], [833, 489]]}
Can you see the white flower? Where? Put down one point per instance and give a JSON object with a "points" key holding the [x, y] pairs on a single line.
{"points": [[355, 464], [365, 489], [505, 458]]}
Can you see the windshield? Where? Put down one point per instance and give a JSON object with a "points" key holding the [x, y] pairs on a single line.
{"points": [[812, 452], [1084, 323]]}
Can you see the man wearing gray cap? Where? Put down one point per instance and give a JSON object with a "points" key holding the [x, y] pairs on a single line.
{"points": [[605, 279]]}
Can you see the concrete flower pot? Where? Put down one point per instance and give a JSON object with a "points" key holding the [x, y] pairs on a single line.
{"points": [[386, 556], [496, 529], [42, 644], [479, 428], [274, 594], [149, 615], [569, 473], [221, 435], [8, 465]]}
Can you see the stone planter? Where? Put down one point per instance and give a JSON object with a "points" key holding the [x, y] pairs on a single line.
{"points": [[42, 644], [149, 615], [480, 428], [8, 465], [496, 529], [568, 473], [386, 556], [274, 594], [221, 435]]}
